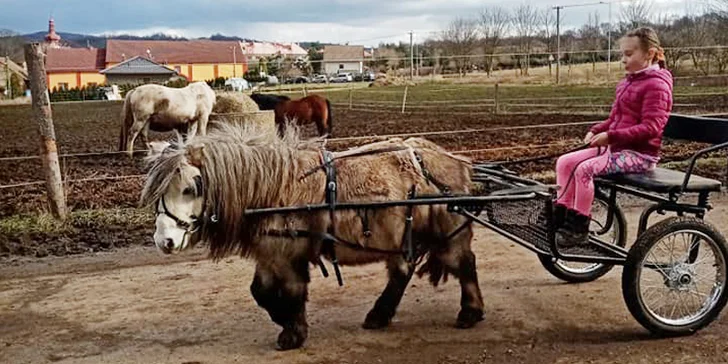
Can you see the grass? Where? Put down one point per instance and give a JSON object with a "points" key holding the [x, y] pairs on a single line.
{"points": [[45, 223]]}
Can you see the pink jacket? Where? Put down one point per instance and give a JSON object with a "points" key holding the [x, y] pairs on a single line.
{"points": [[640, 111]]}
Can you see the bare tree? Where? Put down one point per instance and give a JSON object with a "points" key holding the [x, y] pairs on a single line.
{"points": [[547, 21], [525, 21], [636, 13], [11, 45], [591, 36], [494, 24], [460, 39]]}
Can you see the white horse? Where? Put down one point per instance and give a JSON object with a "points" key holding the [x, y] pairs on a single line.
{"points": [[162, 109]]}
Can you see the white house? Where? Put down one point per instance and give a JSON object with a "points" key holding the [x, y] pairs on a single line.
{"points": [[343, 59]]}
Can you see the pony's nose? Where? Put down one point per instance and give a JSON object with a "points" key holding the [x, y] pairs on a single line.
{"points": [[169, 243]]}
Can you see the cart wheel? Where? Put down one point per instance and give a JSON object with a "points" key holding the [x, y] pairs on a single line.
{"points": [[674, 280], [616, 234]]}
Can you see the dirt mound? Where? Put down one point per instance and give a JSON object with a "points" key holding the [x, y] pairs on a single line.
{"points": [[234, 102]]}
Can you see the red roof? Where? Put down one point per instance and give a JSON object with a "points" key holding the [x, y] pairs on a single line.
{"points": [[165, 52], [75, 59]]}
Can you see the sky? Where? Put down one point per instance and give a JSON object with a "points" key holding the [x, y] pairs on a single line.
{"points": [[338, 21]]}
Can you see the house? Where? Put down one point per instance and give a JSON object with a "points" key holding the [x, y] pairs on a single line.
{"points": [[74, 67], [197, 60], [137, 70], [8, 68], [339, 58]]}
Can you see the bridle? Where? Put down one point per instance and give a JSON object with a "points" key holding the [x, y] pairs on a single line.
{"points": [[197, 221]]}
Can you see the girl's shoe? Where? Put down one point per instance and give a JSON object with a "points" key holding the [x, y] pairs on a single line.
{"points": [[575, 230]]}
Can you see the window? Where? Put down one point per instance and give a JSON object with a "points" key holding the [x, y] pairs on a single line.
{"points": [[341, 66], [63, 86]]}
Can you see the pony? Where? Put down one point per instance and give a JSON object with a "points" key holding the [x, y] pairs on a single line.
{"points": [[202, 187], [267, 101], [310, 109], [162, 109]]}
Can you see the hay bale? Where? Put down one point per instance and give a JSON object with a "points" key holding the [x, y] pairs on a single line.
{"points": [[266, 119], [234, 102]]}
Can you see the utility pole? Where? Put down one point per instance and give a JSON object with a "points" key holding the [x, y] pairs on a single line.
{"points": [[558, 44], [8, 90], [609, 44], [412, 64], [235, 61]]}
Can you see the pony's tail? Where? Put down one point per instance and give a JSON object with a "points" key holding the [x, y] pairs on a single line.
{"points": [[329, 118], [127, 120]]}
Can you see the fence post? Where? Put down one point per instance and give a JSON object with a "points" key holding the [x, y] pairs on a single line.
{"points": [[404, 97], [304, 91], [496, 97], [35, 57], [350, 97]]}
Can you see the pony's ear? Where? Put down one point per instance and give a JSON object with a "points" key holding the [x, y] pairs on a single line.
{"points": [[156, 148], [196, 154]]}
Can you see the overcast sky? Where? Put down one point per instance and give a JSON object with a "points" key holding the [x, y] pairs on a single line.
{"points": [[356, 21]]}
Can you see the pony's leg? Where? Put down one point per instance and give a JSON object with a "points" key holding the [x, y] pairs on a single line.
{"points": [[145, 135], [456, 257], [202, 125], [282, 291], [400, 273], [191, 131]]}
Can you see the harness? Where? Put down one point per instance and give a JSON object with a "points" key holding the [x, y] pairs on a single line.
{"points": [[411, 252]]}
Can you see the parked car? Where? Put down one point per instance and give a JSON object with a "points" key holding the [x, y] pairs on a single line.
{"points": [[343, 77], [319, 79]]}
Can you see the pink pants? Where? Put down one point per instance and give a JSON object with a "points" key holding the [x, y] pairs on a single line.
{"points": [[575, 173]]}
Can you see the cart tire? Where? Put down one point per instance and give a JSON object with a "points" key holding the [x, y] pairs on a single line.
{"points": [[560, 270], [709, 308]]}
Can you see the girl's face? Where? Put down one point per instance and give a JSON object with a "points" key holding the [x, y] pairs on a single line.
{"points": [[634, 58]]}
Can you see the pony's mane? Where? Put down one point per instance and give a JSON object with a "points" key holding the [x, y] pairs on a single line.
{"points": [[231, 153]]}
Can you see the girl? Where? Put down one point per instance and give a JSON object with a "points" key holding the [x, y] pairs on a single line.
{"points": [[627, 142]]}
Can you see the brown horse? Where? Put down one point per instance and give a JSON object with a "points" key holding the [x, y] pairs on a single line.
{"points": [[200, 198], [306, 110]]}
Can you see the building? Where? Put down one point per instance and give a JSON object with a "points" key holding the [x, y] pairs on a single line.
{"points": [[196, 60], [8, 68], [137, 70], [68, 68], [343, 59], [52, 39]]}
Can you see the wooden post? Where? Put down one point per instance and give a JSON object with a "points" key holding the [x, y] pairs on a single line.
{"points": [[35, 57], [350, 97], [496, 98], [404, 98]]}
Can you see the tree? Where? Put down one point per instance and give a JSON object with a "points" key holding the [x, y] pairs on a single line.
{"points": [[547, 22], [636, 13], [525, 21], [494, 23], [11, 45], [460, 39]]}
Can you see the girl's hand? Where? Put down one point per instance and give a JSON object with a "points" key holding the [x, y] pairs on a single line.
{"points": [[600, 140], [588, 137]]}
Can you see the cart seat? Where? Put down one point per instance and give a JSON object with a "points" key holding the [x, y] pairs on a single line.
{"points": [[662, 180]]}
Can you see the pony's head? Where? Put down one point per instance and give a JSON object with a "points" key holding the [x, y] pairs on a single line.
{"points": [[175, 187]]}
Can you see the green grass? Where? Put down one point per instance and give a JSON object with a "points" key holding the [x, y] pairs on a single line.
{"points": [[46, 223]]}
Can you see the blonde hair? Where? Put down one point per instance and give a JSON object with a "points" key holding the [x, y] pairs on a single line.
{"points": [[648, 39]]}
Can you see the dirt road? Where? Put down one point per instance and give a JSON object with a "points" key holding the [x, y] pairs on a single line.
{"points": [[135, 306]]}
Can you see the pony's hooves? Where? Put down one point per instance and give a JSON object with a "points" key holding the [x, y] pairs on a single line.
{"points": [[290, 339], [468, 317], [375, 321]]}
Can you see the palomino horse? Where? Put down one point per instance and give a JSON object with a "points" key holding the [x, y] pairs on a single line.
{"points": [[200, 198], [162, 109], [306, 110]]}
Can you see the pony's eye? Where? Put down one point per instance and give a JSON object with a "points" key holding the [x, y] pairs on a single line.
{"points": [[188, 191]]}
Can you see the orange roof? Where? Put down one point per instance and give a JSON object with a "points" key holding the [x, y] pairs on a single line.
{"points": [[75, 59], [164, 51]]}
